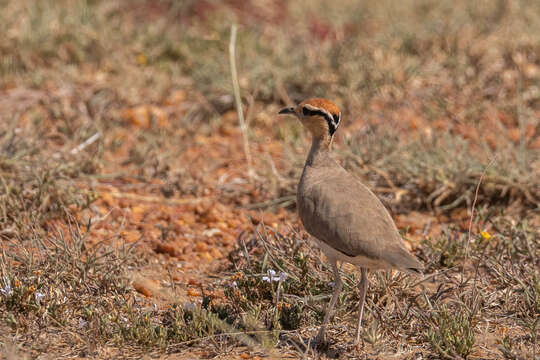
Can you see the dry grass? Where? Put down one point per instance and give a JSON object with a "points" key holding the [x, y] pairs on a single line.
{"points": [[431, 92], [466, 306]]}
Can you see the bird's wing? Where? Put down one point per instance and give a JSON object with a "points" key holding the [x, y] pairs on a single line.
{"points": [[338, 209]]}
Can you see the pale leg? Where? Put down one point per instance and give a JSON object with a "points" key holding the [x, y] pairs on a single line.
{"points": [[363, 291], [337, 289]]}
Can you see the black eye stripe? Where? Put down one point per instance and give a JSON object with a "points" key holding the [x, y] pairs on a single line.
{"points": [[309, 112], [332, 121]]}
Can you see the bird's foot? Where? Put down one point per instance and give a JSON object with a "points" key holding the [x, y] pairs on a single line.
{"points": [[319, 342], [358, 342]]}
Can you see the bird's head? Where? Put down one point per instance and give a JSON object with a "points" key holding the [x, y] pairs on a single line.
{"points": [[320, 116]]}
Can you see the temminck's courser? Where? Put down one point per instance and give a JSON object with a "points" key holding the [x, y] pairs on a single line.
{"points": [[349, 223]]}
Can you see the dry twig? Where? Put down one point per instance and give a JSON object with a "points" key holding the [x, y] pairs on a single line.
{"points": [[238, 100]]}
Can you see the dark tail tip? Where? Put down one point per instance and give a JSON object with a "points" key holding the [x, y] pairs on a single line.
{"points": [[415, 270]]}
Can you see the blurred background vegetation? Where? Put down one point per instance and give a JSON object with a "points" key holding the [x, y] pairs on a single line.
{"points": [[119, 136]]}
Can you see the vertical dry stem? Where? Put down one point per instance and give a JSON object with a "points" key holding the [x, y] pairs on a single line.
{"points": [[474, 205], [238, 101]]}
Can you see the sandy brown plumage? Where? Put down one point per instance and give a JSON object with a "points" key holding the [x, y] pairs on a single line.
{"points": [[340, 211]]}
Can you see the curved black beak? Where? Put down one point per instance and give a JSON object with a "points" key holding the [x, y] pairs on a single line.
{"points": [[287, 110]]}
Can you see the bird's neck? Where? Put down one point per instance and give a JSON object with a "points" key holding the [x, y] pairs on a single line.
{"points": [[320, 148]]}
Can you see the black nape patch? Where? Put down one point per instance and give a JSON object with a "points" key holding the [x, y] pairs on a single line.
{"points": [[333, 125]]}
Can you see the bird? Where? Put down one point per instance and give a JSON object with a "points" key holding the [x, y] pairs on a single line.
{"points": [[345, 218]]}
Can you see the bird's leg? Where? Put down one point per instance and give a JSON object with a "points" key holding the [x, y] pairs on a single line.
{"points": [[363, 291], [338, 284]]}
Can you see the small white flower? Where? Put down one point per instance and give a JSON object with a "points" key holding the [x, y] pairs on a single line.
{"points": [[83, 323], [234, 284], [6, 290], [39, 296], [272, 276], [189, 306]]}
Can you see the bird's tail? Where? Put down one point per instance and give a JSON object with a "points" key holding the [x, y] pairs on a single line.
{"points": [[403, 260]]}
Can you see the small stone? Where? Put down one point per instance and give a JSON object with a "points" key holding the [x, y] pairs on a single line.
{"points": [[216, 254], [201, 246]]}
